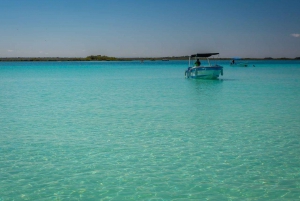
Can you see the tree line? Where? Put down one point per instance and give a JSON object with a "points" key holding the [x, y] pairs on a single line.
{"points": [[88, 58]]}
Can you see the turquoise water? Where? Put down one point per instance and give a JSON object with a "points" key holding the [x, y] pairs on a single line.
{"points": [[141, 131]]}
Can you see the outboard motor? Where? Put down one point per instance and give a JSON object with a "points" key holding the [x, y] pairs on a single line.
{"points": [[188, 72]]}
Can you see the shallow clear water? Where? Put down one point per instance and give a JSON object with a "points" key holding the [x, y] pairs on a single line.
{"points": [[141, 131]]}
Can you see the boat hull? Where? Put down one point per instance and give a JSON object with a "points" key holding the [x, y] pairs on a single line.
{"points": [[212, 72], [239, 65]]}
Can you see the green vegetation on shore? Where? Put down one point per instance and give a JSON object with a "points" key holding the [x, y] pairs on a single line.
{"points": [[107, 58], [100, 58], [89, 58]]}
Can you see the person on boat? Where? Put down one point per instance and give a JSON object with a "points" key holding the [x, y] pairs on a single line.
{"points": [[197, 63]]}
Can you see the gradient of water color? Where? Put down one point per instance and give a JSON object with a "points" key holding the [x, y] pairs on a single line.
{"points": [[141, 131]]}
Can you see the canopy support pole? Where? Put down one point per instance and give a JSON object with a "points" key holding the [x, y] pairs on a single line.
{"points": [[208, 61]]}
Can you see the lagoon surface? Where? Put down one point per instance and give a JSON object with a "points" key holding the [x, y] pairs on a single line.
{"points": [[141, 131]]}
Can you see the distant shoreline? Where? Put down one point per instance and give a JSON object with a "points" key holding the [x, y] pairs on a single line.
{"points": [[106, 58]]}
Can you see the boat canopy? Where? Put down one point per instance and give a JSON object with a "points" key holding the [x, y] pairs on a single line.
{"points": [[203, 54]]}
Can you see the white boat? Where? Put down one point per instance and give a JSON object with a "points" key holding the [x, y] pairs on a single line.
{"points": [[238, 64], [203, 72]]}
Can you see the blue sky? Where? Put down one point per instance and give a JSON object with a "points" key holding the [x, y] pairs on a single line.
{"points": [[149, 28]]}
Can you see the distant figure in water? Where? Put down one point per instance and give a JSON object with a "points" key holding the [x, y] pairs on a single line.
{"points": [[232, 62], [197, 63]]}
